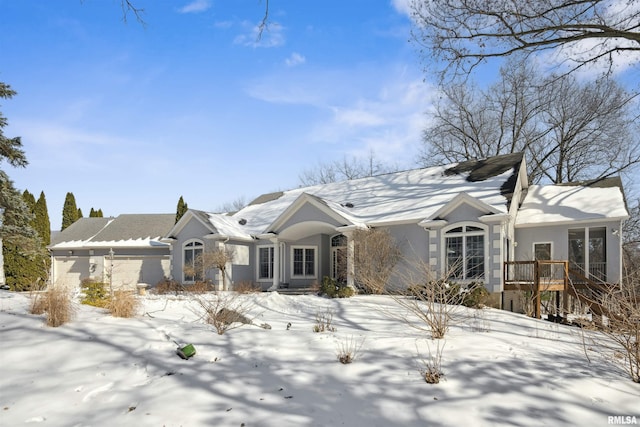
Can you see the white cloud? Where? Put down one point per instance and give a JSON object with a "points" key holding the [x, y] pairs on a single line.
{"points": [[569, 56], [295, 59], [619, 15], [223, 24], [362, 110], [402, 6], [196, 6], [272, 36]]}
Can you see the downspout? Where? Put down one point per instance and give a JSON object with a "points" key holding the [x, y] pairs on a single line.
{"points": [[224, 273]]}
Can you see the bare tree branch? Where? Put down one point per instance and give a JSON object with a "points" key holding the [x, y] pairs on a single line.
{"points": [[127, 6], [569, 130], [464, 33]]}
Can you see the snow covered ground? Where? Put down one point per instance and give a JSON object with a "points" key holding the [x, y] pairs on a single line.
{"points": [[501, 369]]}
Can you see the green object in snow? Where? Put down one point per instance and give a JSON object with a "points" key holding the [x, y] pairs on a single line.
{"points": [[187, 351]]}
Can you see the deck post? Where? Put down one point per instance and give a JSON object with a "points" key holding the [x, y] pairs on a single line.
{"points": [[536, 285], [565, 294]]}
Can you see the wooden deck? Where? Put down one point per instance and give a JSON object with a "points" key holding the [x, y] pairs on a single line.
{"points": [[542, 276]]}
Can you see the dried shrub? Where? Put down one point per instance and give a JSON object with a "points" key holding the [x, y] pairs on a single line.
{"points": [[38, 303], [430, 304], [199, 287], [324, 322], [94, 293], [617, 336], [167, 286], [348, 349], [431, 369], [246, 287], [58, 306], [123, 304], [224, 310]]}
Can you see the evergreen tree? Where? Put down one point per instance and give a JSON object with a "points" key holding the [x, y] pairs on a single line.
{"points": [[43, 224], [181, 209], [23, 252], [79, 214], [95, 213], [19, 239], [10, 148], [69, 211], [30, 200]]}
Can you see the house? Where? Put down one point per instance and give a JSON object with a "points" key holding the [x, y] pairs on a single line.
{"points": [[123, 251], [466, 220], [475, 221]]}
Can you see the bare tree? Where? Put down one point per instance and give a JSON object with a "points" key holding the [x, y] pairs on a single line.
{"points": [[233, 206], [569, 130], [209, 260], [375, 257], [462, 33], [345, 169], [631, 242], [617, 337], [470, 123]]}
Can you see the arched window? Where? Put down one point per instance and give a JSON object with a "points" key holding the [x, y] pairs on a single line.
{"points": [[464, 247], [192, 269], [339, 258]]}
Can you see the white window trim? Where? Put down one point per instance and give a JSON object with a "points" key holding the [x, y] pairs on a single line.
{"points": [[184, 246], [533, 248], [315, 262], [443, 245], [258, 278]]}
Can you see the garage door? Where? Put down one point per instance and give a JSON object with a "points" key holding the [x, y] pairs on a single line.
{"points": [[129, 271], [69, 271]]}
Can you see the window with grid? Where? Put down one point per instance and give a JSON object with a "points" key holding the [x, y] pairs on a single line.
{"points": [[464, 248], [265, 262], [304, 262], [192, 268]]}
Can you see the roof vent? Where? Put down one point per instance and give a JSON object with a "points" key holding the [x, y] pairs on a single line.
{"points": [[242, 221], [348, 205]]}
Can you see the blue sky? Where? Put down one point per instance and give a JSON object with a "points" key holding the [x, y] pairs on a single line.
{"points": [[129, 118]]}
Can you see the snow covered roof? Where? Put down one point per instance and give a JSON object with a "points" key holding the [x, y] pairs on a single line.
{"points": [[127, 230], [406, 196], [557, 204]]}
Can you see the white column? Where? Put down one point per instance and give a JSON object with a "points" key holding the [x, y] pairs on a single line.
{"points": [[276, 264], [351, 270]]}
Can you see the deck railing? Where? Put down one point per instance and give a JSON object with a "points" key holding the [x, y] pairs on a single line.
{"points": [[532, 272], [536, 276], [540, 276]]}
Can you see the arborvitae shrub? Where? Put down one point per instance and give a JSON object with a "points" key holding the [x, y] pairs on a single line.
{"points": [[94, 293], [475, 296], [334, 289]]}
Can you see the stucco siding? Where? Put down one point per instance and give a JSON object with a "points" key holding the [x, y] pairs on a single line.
{"points": [[558, 236], [194, 229], [307, 213]]}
